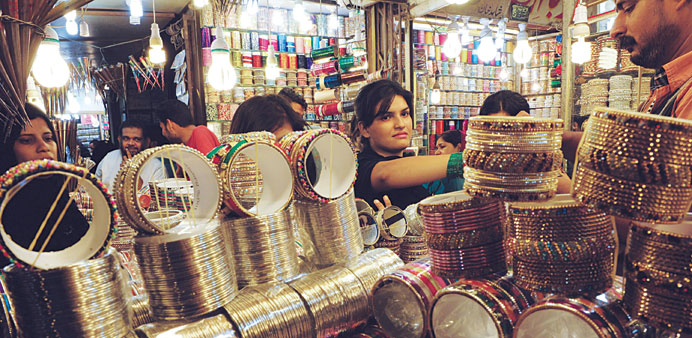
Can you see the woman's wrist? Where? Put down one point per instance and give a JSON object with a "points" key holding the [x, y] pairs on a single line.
{"points": [[455, 165]]}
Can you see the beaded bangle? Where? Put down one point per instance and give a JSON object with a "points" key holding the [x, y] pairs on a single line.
{"points": [[502, 123], [196, 167], [651, 122], [392, 223], [239, 165], [513, 162], [101, 230]]}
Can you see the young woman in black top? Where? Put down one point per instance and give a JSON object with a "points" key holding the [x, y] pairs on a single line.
{"points": [[384, 123]]}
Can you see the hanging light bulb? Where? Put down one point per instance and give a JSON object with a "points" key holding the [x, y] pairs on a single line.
{"points": [[49, 68], [581, 51], [452, 46], [522, 52], [435, 94], [581, 25], [245, 18], [252, 8], [221, 74], [272, 70], [500, 36], [333, 21], [486, 50], [84, 28], [73, 105], [299, 10], [156, 53], [465, 33], [200, 3], [504, 74], [70, 24], [136, 11], [457, 68]]}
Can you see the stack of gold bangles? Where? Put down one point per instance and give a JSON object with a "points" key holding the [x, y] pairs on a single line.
{"points": [[513, 158], [561, 246], [637, 166], [193, 166], [658, 288], [323, 163], [464, 234]]}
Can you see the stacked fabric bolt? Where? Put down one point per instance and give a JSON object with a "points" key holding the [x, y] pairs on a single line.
{"points": [[594, 94], [464, 234], [645, 89], [620, 94], [512, 158], [635, 165], [657, 261], [561, 246]]}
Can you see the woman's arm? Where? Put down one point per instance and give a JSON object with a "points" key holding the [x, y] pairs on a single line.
{"points": [[570, 143], [408, 172]]}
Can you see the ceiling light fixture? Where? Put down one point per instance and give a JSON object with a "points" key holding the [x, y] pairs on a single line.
{"points": [[221, 74], [452, 46], [486, 50], [522, 52], [156, 53], [70, 24], [49, 67]]}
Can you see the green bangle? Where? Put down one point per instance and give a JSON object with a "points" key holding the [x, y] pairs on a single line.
{"points": [[455, 165]]}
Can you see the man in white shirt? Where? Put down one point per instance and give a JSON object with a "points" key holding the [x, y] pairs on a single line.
{"points": [[132, 140]]}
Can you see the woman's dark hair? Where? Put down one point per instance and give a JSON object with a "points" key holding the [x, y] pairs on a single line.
{"points": [[291, 96], [7, 157], [265, 113], [452, 136], [373, 100], [507, 101]]}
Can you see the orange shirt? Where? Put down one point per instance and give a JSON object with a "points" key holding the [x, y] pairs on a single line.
{"points": [[667, 80], [203, 140]]}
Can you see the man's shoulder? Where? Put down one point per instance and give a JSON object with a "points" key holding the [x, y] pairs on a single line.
{"points": [[113, 154]]}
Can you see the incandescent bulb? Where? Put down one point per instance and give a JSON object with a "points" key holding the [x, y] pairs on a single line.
{"points": [[272, 70], [136, 9], [504, 74], [457, 68], [522, 52], [333, 21], [49, 68], [84, 28], [581, 51], [435, 96], [607, 58], [452, 46], [486, 50], [252, 8], [221, 74], [71, 27], [500, 37], [156, 53], [200, 3], [299, 10]]}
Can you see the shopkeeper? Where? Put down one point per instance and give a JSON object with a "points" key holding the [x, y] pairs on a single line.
{"points": [[658, 35], [384, 124]]}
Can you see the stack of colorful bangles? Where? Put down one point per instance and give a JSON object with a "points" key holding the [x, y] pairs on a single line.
{"points": [[323, 163], [658, 287], [634, 165], [464, 234], [513, 158], [561, 246], [255, 175]]}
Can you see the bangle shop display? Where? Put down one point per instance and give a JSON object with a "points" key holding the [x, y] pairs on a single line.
{"points": [[262, 238]]}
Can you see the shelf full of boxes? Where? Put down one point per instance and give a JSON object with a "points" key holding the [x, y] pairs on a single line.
{"points": [[464, 82], [610, 79], [317, 60], [541, 77]]}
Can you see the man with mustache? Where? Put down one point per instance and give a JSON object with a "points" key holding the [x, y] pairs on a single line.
{"points": [[132, 140], [658, 34]]}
